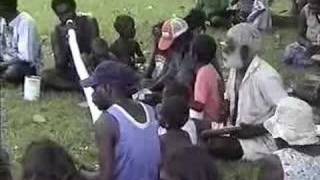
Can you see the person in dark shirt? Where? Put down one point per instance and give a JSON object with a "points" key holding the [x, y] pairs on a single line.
{"points": [[64, 76], [126, 48], [174, 115]]}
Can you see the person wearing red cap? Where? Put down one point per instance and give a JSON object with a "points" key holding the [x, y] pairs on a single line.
{"points": [[175, 41]]}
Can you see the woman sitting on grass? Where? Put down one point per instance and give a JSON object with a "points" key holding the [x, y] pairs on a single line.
{"points": [[307, 48]]}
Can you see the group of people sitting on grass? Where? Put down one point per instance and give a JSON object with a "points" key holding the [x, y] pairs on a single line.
{"points": [[179, 131]]}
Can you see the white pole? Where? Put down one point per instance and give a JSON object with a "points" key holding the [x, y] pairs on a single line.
{"points": [[83, 73]]}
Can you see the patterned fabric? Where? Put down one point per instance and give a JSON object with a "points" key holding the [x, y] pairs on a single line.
{"points": [[297, 55], [20, 41], [260, 91], [260, 16], [299, 166], [313, 30]]}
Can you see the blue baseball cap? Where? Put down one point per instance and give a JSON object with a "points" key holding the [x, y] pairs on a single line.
{"points": [[113, 73]]}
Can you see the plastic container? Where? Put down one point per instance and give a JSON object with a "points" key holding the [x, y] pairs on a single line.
{"points": [[32, 88]]}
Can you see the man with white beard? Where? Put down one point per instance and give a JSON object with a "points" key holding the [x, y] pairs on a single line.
{"points": [[253, 89]]}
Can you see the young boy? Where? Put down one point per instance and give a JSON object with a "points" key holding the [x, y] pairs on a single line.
{"points": [[126, 48], [174, 115]]}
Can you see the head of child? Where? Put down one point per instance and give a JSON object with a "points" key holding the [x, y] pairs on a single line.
{"points": [[64, 9], [204, 49], [46, 160], [112, 81], [175, 88], [100, 48], [192, 163], [125, 26], [174, 113], [5, 173]]}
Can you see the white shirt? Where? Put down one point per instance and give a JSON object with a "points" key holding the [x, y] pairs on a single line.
{"points": [[260, 91], [22, 41]]}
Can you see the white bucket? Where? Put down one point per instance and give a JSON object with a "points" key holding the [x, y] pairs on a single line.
{"points": [[32, 88]]}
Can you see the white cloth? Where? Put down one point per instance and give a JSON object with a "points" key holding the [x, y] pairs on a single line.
{"points": [[260, 91], [22, 41], [260, 16], [299, 166], [189, 127], [293, 122]]}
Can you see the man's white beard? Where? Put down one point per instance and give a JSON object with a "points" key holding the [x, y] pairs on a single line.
{"points": [[233, 60]]}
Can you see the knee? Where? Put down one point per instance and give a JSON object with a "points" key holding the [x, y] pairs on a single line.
{"points": [[12, 74]]}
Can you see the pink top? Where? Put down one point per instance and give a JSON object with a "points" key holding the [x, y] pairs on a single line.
{"points": [[206, 91]]}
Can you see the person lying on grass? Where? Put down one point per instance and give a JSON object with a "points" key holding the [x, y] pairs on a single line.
{"points": [[20, 47], [126, 48], [126, 133], [294, 131], [64, 76], [46, 160], [307, 48], [254, 89]]}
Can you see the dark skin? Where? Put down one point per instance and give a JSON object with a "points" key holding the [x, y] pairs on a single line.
{"points": [[58, 38], [302, 28], [106, 128], [229, 147], [126, 48]]}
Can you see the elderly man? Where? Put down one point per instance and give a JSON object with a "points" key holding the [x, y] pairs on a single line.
{"points": [[20, 48], [253, 89]]}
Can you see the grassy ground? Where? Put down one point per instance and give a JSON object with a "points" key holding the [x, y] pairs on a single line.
{"points": [[67, 123]]}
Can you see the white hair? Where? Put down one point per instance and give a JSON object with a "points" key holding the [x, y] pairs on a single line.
{"points": [[245, 34]]}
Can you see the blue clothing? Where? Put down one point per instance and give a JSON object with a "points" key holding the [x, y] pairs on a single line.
{"points": [[138, 153]]}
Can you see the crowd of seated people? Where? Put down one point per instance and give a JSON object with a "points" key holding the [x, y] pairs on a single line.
{"points": [[164, 140]]}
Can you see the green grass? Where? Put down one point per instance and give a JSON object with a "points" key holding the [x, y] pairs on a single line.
{"points": [[66, 122]]}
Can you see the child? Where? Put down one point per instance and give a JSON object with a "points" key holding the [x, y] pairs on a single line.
{"points": [[208, 87], [193, 126], [174, 115], [125, 47], [45, 160], [189, 164]]}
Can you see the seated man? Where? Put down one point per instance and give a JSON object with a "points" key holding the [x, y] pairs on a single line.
{"points": [[20, 49], [64, 76], [126, 133], [254, 88], [308, 44]]}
